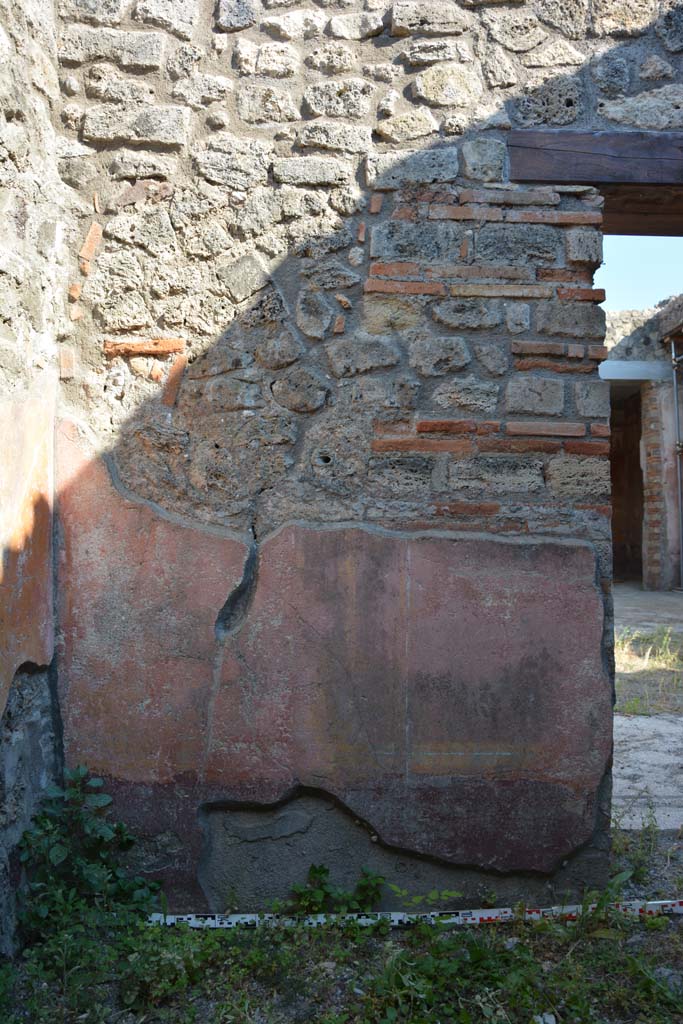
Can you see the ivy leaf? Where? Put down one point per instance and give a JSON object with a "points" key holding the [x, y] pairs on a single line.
{"points": [[98, 800], [57, 854]]}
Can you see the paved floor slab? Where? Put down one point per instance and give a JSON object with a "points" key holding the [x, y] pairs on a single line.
{"points": [[648, 770], [646, 610]]}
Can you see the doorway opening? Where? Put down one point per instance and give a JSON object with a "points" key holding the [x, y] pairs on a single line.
{"points": [[627, 482], [643, 281]]}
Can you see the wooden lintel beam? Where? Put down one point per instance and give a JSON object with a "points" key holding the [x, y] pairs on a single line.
{"points": [[593, 158]]}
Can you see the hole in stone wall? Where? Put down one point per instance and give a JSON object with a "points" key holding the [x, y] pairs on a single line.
{"points": [[322, 458]]}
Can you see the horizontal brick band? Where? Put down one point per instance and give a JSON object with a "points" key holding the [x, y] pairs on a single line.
{"points": [[389, 287], [587, 447], [485, 272], [545, 428], [502, 291], [519, 447], [446, 426], [144, 347], [538, 348], [459, 446], [467, 508], [558, 217], [439, 211], [398, 269], [581, 294], [511, 197], [555, 367], [565, 274], [601, 510]]}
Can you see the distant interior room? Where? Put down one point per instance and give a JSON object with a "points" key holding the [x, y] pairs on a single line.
{"points": [[643, 281]]}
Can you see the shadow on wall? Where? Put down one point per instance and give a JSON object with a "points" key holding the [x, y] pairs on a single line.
{"points": [[318, 566]]}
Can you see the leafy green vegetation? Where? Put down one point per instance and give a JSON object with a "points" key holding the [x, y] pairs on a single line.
{"points": [[319, 896], [90, 957]]}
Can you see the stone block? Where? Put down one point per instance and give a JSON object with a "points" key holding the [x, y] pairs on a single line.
{"points": [[656, 110], [134, 51], [199, 90], [467, 394], [131, 164], [274, 60], [361, 354], [492, 357], [356, 26], [97, 12], [297, 25], [483, 159], [344, 138], [332, 59], [570, 476], [518, 244], [243, 277], [569, 16], [259, 104], [178, 16], [419, 242], [423, 52], [670, 26], [238, 163], [235, 15], [349, 97], [428, 18], [158, 126], [404, 127], [570, 319], [518, 31], [584, 245], [151, 230], [387, 171], [311, 170], [496, 475], [434, 357], [301, 389], [126, 312], [278, 351], [517, 317], [612, 74], [535, 395], [551, 100], [499, 70], [592, 399], [110, 87], [654, 68], [556, 54], [472, 314], [449, 85], [313, 313], [623, 17]]}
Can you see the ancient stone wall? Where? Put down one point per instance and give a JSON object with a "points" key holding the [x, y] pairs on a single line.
{"points": [[31, 289], [333, 471]]}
